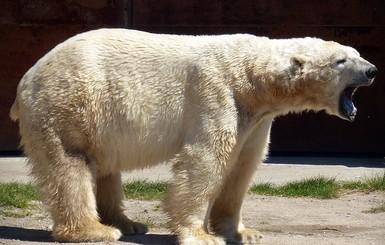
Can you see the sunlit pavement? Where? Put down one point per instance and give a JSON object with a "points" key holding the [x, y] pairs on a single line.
{"points": [[277, 170]]}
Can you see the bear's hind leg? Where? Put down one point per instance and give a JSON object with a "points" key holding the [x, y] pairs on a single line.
{"points": [[67, 184], [110, 205]]}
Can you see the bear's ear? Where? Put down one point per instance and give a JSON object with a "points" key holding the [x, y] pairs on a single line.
{"points": [[296, 65], [297, 61]]}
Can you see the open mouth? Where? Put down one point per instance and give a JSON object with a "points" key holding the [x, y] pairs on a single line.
{"points": [[347, 108]]}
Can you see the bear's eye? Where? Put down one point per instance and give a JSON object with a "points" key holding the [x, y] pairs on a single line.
{"points": [[341, 62]]}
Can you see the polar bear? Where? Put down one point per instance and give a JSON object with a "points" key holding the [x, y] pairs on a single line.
{"points": [[111, 100]]}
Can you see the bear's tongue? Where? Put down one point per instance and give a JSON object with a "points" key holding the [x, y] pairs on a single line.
{"points": [[347, 107]]}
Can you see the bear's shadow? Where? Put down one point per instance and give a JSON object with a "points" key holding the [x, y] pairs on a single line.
{"points": [[24, 234], [43, 236], [151, 239]]}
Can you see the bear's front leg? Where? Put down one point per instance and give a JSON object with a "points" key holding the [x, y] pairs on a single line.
{"points": [[225, 216], [198, 176]]}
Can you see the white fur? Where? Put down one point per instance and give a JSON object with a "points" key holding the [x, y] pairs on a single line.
{"points": [[112, 99]]}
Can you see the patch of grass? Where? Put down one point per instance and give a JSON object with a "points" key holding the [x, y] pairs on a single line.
{"points": [[156, 208], [319, 187], [270, 230], [265, 189], [376, 183], [376, 210], [15, 213], [145, 190], [17, 195], [20, 195]]}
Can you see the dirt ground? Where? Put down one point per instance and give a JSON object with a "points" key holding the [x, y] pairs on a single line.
{"points": [[281, 220]]}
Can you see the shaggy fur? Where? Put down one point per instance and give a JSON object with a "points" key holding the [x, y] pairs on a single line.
{"points": [[111, 100]]}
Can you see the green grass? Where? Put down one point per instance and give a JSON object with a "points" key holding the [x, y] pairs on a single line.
{"points": [[376, 183], [145, 190], [16, 213], [17, 195], [319, 187]]}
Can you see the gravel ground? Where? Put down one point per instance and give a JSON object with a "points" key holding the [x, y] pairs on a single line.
{"points": [[281, 220]]}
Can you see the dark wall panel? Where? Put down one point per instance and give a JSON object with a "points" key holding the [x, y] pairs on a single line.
{"points": [[251, 12], [74, 12], [20, 48], [29, 28]]}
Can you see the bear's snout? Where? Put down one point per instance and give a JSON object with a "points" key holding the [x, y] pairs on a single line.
{"points": [[371, 72]]}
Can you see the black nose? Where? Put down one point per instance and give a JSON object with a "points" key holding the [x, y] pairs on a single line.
{"points": [[371, 72]]}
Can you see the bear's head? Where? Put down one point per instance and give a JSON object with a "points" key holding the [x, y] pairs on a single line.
{"points": [[327, 75]]}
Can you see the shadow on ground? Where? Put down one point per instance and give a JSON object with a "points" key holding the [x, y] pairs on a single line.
{"points": [[23, 234], [43, 236], [151, 239], [375, 162]]}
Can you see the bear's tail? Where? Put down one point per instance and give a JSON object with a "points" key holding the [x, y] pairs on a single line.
{"points": [[14, 113]]}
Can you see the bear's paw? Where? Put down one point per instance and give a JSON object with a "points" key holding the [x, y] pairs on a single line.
{"points": [[203, 239], [246, 236], [92, 232], [132, 228]]}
